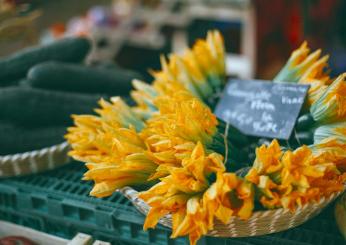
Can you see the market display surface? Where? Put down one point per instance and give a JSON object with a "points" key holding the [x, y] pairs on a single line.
{"points": [[58, 203], [197, 171]]}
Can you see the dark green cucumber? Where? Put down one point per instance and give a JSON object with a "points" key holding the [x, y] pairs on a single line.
{"points": [[305, 138], [16, 66], [298, 139], [79, 78], [16, 139], [304, 122], [28, 106], [106, 65]]}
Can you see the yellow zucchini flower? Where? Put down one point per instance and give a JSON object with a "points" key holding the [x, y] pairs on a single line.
{"points": [[173, 69], [194, 200], [229, 196], [267, 162], [316, 72], [180, 194], [333, 150], [301, 170], [119, 112], [298, 63], [134, 169], [115, 155], [317, 77], [182, 121], [331, 106], [107, 137], [145, 95], [199, 71], [94, 140], [189, 119], [192, 71], [210, 56], [316, 90], [192, 222], [305, 68], [293, 178], [317, 169], [333, 130]]}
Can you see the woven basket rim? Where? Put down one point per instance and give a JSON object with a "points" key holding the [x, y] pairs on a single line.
{"points": [[260, 212], [35, 161], [278, 214]]}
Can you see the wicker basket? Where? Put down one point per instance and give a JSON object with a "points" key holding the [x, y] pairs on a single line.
{"points": [[34, 161], [260, 223]]}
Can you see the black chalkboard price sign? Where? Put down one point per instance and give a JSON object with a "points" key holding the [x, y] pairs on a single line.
{"points": [[262, 108]]}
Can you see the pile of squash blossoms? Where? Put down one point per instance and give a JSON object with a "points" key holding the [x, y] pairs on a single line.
{"points": [[194, 166]]}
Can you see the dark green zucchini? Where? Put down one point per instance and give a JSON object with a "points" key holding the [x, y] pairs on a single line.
{"points": [[105, 65], [16, 139], [28, 106], [79, 78], [298, 139], [305, 138], [16, 66], [304, 122]]}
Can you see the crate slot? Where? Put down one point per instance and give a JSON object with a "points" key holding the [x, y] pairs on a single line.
{"points": [[70, 211], [39, 203], [7, 199], [87, 215]]}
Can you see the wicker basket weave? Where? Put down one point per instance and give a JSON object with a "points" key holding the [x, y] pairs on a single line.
{"points": [[34, 161], [260, 223]]}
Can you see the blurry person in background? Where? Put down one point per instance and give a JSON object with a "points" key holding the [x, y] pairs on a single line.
{"points": [[283, 25]]}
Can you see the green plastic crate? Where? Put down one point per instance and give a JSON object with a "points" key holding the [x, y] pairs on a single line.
{"points": [[57, 202]]}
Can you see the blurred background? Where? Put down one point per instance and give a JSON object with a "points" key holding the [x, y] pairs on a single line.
{"points": [[259, 34]]}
